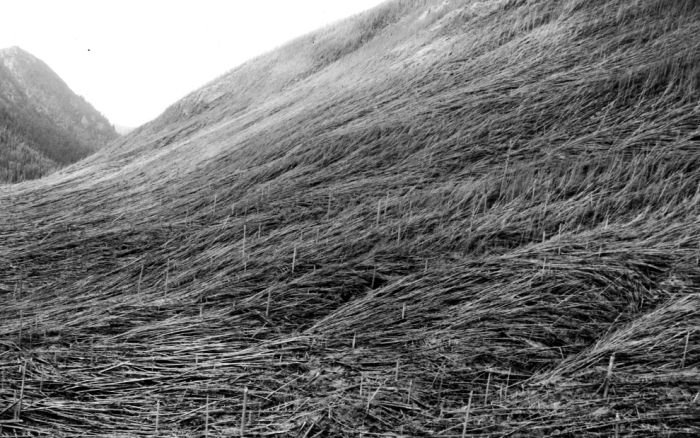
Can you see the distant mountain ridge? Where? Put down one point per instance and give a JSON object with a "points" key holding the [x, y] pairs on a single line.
{"points": [[123, 130], [43, 124]]}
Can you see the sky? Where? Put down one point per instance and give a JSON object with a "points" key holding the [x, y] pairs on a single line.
{"points": [[131, 59]]}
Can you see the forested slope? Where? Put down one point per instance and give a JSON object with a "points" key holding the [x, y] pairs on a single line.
{"points": [[43, 124]]}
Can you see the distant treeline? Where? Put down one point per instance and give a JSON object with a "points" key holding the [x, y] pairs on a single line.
{"points": [[19, 162]]}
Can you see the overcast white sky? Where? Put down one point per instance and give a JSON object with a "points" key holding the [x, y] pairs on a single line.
{"points": [[133, 58]]}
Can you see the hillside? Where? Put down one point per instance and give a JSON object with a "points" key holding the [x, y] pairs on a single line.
{"points": [[454, 219], [43, 124]]}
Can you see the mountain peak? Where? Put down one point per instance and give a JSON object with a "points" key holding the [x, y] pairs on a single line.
{"points": [[15, 51], [22, 63]]}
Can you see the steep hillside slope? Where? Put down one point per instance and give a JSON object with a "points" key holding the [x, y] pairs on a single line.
{"points": [[434, 219], [43, 124]]}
